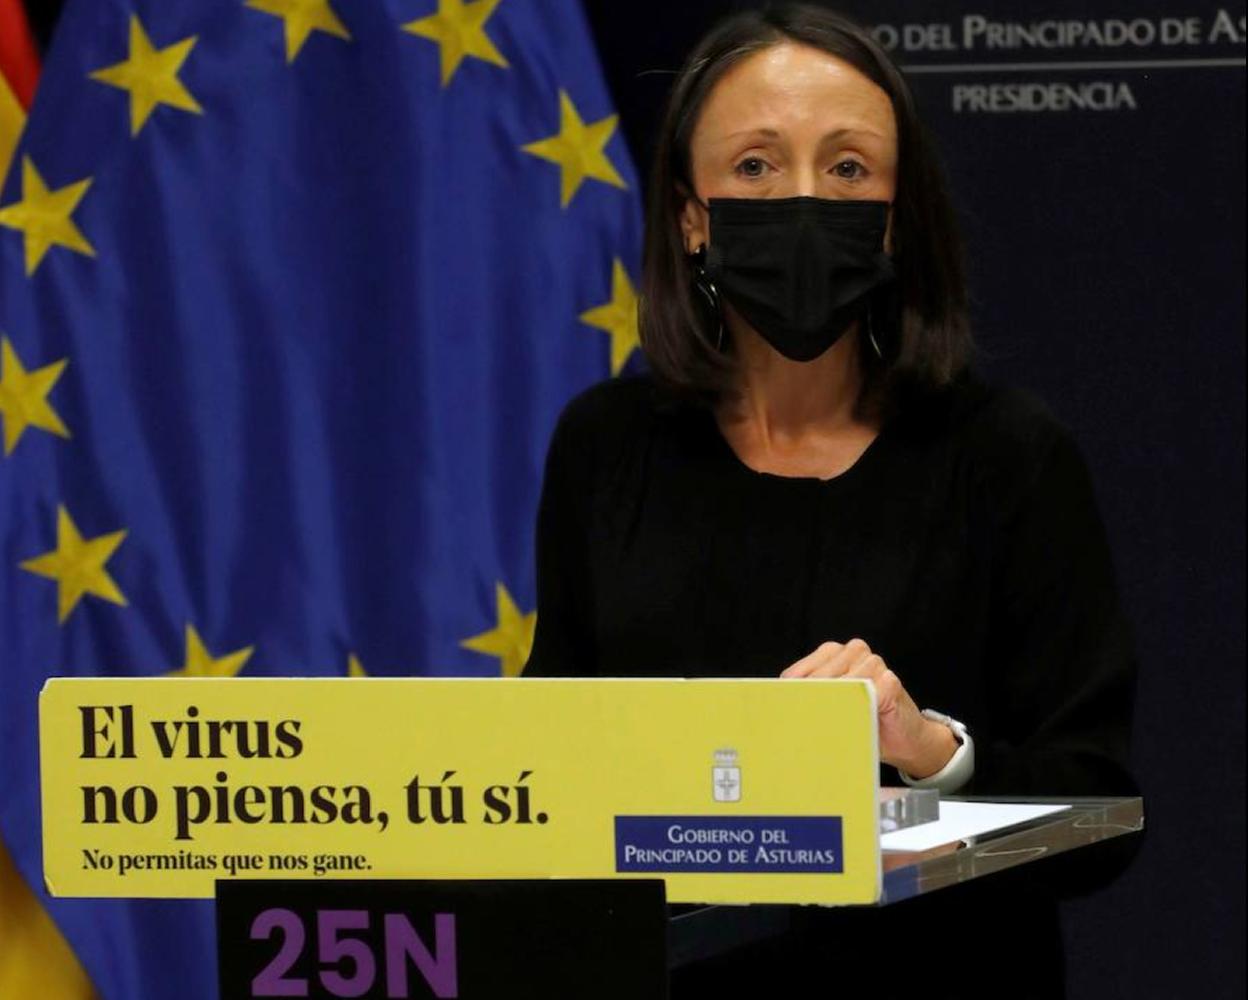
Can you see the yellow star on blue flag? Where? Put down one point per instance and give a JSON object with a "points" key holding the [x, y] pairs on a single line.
{"points": [[77, 565], [618, 317], [579, 149], [45, 217], [458, 27], [300, 18], [511, 639], [201, 663], [150, 76], [24, 397]]}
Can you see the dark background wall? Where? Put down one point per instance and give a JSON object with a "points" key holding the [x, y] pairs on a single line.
{"points": [[1107, 267]]}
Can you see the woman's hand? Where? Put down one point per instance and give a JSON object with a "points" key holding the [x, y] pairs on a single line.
{"points": [[908, 741]]}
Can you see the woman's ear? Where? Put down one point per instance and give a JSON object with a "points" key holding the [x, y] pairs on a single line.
{"points": [[694, 224]]}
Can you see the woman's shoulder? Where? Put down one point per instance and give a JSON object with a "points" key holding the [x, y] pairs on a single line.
{"points": [[1002, 418], [609, 413], [1007, 434], [606, 405], [603, 424]]}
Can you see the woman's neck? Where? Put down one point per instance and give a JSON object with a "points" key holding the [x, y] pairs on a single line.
{"points": [[784, 401]]}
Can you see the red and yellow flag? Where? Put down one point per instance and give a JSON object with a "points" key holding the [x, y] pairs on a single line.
{"points": [[19, 69], [34, 958]]}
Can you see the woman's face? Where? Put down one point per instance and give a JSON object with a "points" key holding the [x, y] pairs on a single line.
{"points": [[791, 120]]}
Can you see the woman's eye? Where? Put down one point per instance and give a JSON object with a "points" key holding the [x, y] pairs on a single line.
{"points": [[849, 170], [751, 166]]}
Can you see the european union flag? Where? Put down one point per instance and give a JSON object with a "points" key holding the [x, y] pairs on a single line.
{"points": [[291, 295]]}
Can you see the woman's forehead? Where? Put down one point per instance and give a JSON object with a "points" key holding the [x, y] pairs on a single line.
{"points": [[791, 88]]}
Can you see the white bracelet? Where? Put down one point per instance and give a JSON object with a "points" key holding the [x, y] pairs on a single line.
{"points": [[961, 766]]}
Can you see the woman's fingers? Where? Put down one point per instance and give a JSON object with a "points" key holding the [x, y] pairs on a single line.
{"points": [[816, 663], [906, 737], [831, 659], [807, 663]]}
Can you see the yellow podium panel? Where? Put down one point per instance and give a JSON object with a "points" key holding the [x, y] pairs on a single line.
{"points": [[733, 791]]}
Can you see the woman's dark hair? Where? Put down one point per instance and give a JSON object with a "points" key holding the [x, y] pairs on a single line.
{"points": [[920, 320]]}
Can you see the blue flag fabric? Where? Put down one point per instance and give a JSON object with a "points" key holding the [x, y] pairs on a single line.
{"points": [[291, 295]]}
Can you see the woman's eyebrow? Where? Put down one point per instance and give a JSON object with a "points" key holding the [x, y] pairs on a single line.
{"points": [[771, 133], [842, 133]]}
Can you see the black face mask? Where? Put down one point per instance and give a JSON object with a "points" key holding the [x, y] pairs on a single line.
{"points": [[799, 270]]}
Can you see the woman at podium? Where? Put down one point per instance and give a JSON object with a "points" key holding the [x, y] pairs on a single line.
{"points": [[813, 480]]}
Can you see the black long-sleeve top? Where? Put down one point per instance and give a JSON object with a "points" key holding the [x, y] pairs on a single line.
{"points": [[964, 546]]}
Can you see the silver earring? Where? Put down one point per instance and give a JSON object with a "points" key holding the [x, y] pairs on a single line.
{"points": [[709, 293], [871, 336]]}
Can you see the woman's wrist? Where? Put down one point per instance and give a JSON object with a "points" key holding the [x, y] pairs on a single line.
{"points": [[933, 750]]}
